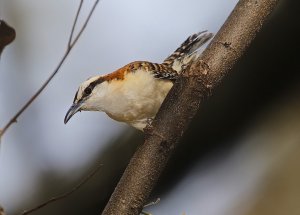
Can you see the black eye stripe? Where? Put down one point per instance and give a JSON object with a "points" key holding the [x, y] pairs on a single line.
{"points": [[88, 90], [75, 97]]}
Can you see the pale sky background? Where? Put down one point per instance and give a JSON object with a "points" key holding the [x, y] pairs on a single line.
{"points": [[118, 33]]}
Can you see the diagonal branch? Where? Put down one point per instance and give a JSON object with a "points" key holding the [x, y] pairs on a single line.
{"points": [[183, 102], [84, 24], [64, 195], [68, 50], [74, 24]]}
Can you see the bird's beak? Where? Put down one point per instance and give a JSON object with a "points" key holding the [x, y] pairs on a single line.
{"points": [[73, 109]]}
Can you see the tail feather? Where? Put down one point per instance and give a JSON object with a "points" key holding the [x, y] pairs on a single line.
{"points": [[185, 53]]}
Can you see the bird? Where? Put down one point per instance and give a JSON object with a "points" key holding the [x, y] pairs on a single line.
{"points": [[134, 93]]}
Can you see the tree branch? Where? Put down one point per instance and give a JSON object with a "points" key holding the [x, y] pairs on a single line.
{"points": [[62, 60], [183, 102]]}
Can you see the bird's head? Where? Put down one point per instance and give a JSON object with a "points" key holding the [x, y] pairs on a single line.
{"points": [[88, 96]]}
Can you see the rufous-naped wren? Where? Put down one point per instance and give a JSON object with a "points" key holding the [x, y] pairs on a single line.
{"points": [[134, 93]]}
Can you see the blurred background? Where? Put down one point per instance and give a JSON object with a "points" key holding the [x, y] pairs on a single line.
{"points": [[240, 156]]}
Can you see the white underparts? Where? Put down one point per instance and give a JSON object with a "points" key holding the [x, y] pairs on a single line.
{"points": [[135, 99]]}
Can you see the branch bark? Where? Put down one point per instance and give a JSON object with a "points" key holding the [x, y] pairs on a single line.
{"points": [[183, 102]]}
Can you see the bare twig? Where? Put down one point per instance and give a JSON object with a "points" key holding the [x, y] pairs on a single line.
{"points": [[74, 24], [84, 24], [64, 195], [152, 203], [182, 104], [69, 48], [145, 213]]}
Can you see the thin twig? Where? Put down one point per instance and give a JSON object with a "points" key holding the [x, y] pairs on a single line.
{"points": [[85, 23], [152, 203], [74, 23], [145, 213], [69, 48], [66, 194]]}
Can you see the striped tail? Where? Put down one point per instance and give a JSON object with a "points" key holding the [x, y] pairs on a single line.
{"points": [[187, 50]]}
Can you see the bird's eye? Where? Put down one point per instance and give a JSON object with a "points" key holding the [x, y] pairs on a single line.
{"points": [[88, 91]]}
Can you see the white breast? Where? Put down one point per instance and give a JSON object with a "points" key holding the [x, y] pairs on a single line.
{"points": [[136, 98]]}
